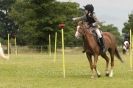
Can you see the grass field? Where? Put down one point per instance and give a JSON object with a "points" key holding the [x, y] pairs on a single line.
{"points": [[40, 71]]}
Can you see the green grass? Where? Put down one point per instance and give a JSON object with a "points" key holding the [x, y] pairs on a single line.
{"points": [[40, 71]]}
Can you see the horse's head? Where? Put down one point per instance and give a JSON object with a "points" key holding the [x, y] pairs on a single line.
{"points": [[80, 29]]}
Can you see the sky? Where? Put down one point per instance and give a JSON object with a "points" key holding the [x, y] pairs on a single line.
{"points": [[110, 11]]}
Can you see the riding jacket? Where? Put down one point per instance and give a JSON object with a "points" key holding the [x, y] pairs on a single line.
{"points": [[90, 18]]}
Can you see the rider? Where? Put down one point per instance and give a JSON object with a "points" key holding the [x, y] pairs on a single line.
{"points": [[92, 21], [126, 45]]}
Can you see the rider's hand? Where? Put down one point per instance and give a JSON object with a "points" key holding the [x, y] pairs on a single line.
{"points": [[94, 24], [73, 19]]}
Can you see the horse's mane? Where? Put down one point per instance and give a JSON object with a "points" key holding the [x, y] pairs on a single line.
{"points": [[85, 27], [88, 37]]}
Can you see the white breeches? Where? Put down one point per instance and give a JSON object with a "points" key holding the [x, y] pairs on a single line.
{"points": [[98, 33]]}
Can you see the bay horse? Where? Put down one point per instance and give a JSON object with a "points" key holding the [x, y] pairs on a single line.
{"points": [[2, 55], [125, 47], [93, 49]]}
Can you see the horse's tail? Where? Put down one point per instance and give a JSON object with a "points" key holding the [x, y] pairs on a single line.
{"points": [[118, 55]]}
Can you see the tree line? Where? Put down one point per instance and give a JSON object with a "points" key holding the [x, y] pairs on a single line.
{"points": [[32, 21]]}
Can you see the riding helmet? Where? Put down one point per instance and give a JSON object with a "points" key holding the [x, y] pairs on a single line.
{"points": [[89, 7]]}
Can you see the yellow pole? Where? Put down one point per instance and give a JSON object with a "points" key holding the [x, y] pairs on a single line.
{"points": [[131, 64], [63, 52], [132, 40], [15, 43], [55, 49], [8, 44], [49, 45]]}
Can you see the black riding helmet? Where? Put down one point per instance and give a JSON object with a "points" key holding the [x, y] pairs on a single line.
{"points": [[89, 7]]}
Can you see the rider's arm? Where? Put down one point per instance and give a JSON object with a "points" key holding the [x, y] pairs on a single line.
{"points": [[97, 21], [79, 18]]}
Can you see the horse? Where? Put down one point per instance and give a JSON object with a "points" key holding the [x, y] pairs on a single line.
{"points": [[125, 47], [2, 55], [93, 49]]}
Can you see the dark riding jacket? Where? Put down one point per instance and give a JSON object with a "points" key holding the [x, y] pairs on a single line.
{"points": [[91, 19]]}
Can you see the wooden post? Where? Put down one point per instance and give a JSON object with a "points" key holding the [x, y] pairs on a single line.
{"points": [[131, 47], [55, 50], [49, 45], [8, 50]]}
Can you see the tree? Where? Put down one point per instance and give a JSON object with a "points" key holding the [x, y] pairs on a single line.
{"points": [[6, 23], [112, 29], [128, 25], [6, 4], [39, 18]]}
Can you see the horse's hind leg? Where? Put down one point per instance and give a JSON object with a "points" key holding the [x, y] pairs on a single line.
{"points": [[112, 63], [107, 64]]}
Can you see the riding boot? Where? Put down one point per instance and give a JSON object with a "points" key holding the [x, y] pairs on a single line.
{"points": [[102, 46]]}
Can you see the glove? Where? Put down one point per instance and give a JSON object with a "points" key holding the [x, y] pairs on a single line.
{"points": [[73, 19], [94, 24]]}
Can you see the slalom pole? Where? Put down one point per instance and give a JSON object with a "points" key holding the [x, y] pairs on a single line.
{"points": [[63, 52], [8, 45], [15, 43], [63, 55], [49, 45], [55, 49], [131, 46]]}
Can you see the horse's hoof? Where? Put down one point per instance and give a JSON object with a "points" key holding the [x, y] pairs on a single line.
{"points": [[110, 75], [98, 76], [92, 77], [107, 74]]}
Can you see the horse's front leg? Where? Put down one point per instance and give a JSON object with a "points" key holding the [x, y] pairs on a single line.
{"points": [[89, 57], [95, 65]]}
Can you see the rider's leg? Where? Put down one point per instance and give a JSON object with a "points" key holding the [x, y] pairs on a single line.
{"points": [[98, 33], [101, 40]]}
